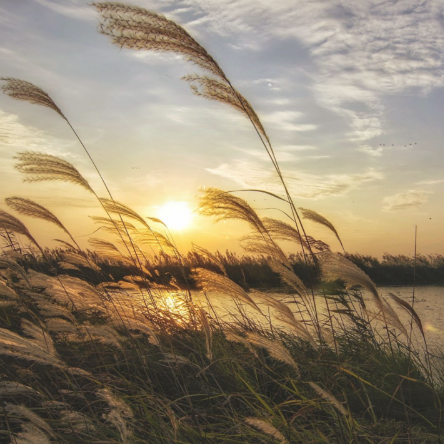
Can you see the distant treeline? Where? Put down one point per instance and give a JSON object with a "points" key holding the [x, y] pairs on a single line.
{"points": [[251, 271]]}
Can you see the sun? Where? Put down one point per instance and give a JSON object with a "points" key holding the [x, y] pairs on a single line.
{"points": [[175, 215]]}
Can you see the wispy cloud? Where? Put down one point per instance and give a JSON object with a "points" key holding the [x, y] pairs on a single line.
{"points": [[15, 136], [361, 52], [406, 201], [430, 182], [71, 8], [309, 186], [286, 121]]}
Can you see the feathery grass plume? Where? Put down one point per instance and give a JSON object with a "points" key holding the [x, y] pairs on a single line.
{"points": [[69, 291], [67, 266], [317, 218], [31, 434], [14, 388], [137, 28], [57, 325], [40, 167], [9, 222], [286, 316], [267, 428], [225, 206], [231, 336], [86, 332], [289, 277], [78, 259], [109, 250], [280, 230], [20, 412], [264, 245], [12, 265], [389, 317], [148, 236], [77, 422], [409, 309], [7, 292], [39, 335], [113, 225], [48, 307], [66, 244], [30, 208], [334, 266], [329, 397], [115, 207], [220, 91], [13, 344], [22, 90], [207, 330], [215, 260], [211, 281], [119, 415], [275, 347]]}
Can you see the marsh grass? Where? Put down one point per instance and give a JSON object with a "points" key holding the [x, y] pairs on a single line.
{"points": [[101, 347]]}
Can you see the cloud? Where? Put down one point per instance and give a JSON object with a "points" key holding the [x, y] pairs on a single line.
{"points": [[71, 9], [430, 182], [406, 201], [360, 51], [286, 121], [249, 174]]}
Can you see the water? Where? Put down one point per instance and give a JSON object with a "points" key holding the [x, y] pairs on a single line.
{"points": [[428, 303]]}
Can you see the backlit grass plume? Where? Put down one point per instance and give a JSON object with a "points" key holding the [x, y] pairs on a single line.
{"points": [[30, 208], [321, 220], [210, 281], [267, 428], [335, 266], [137, 28], [40, 167], [26, 91], [9, 222]]}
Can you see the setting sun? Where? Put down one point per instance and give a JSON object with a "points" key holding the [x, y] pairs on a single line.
{"points": [[175, 215]]}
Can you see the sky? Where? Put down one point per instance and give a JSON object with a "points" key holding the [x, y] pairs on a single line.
{"points": [[350, 93]]}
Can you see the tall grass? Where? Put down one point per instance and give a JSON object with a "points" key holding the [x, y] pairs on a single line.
{"points": [[100, 347]]}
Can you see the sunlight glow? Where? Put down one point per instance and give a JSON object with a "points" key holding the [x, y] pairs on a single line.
{"points": [[175, 215]]}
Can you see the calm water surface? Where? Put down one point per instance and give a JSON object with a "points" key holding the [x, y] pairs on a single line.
{"points": [[428, 303]]}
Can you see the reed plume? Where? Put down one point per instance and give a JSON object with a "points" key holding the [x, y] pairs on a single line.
{"points": [[274, 347], [211, 281], [22, 90], [119, 414], [267, 428], [33, 350], [39, 167], [9, 222], [220, 91], [289, 277], [321, 220], [207, 330], [335, 266], [30, 208], [215, 260], [137, 28], [329, 398], [225, 206], [409, 309], [287, 317]]}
